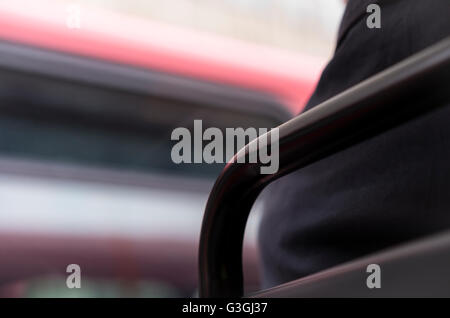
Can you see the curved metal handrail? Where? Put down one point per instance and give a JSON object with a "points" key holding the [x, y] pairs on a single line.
{"points": [[408, 89]]}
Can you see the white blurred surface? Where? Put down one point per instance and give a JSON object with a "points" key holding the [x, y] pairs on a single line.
{"points": [[304, 26], [77, 208]]}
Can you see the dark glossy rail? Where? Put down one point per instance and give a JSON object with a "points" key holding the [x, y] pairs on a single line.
{"points": [[409, 89]]}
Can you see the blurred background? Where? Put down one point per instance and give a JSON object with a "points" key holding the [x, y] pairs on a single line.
{"points": [[287, 24], [90, 92]]}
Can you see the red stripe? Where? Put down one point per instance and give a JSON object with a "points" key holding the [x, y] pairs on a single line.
{"points": [[293, 91]]}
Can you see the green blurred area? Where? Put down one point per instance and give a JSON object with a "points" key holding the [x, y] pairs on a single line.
{"points": [[55, 287]]}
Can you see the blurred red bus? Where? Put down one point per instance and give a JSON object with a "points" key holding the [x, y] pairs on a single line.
{"points": [[85, 170]]}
